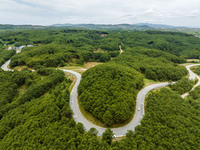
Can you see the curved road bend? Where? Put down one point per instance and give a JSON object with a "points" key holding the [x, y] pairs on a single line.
{"points": [[5, 66], [139, 111], [192, 77], [78, 117]]}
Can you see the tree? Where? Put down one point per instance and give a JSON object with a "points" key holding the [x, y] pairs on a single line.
{"points": [[130, 134], [62, 64], [80, 127], [107, 136], [105, 57], [93, 131], [108, 118]]}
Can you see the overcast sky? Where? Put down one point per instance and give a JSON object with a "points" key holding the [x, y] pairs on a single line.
{"points": [[47, 12]]}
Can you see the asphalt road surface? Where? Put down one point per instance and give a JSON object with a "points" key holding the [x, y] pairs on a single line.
{"points": [[192, 77], [139, 111], [78, 117], [5, 66]]}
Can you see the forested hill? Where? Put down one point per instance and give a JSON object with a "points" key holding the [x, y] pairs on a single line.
{"points": [[180, 44], [109, 92], [82, 46], [142, 50], [155, 64]]}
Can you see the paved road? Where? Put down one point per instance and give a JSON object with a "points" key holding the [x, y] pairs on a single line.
{"points": [[192, 77], [139, 111], [5, 66], [78, 117]]}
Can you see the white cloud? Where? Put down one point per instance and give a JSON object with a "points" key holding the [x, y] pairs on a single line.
{"points": [[173, 12]]}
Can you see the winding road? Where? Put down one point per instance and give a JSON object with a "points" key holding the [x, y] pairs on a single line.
{"points": [[139, 111], [192, 77]]}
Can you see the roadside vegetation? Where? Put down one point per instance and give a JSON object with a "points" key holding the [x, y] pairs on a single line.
{"points": [[170, 122], [196, 70], [5, 55], [36, 84], [154, 64], [182, 86]]}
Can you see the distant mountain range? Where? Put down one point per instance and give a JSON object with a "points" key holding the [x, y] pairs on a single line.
{"points": [[155, 25], [139, 26], [10, 26]]}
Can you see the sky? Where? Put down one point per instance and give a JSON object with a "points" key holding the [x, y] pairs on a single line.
{"points": [[48, 12]]}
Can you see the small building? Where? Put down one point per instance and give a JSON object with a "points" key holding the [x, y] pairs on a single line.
{"points": [[29, 45], [20, 47], [10, 48]]}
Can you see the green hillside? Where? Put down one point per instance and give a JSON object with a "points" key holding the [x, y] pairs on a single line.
{"points": [[109, 92]]}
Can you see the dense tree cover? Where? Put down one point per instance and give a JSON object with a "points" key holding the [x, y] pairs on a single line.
{"points": [[34, 107], [180, 44], [196, 69], [108, 136], [53, 55], [49, 55], [7, 88], [5, 55], [76, 38], [182, 86], [195, 93], [11, 80], [79, 46], [44, 121], [170, 122], [108, 91], [57, 47], [155, 64]]}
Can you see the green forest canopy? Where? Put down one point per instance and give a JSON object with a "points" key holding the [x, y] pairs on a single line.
{"points": [[109, 92], [46, 122], [63, 47], [93, 45], [154, 64], [170, 122]]}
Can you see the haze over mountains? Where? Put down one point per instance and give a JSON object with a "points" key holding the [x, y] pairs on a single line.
{"points": [[139, 26]]}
